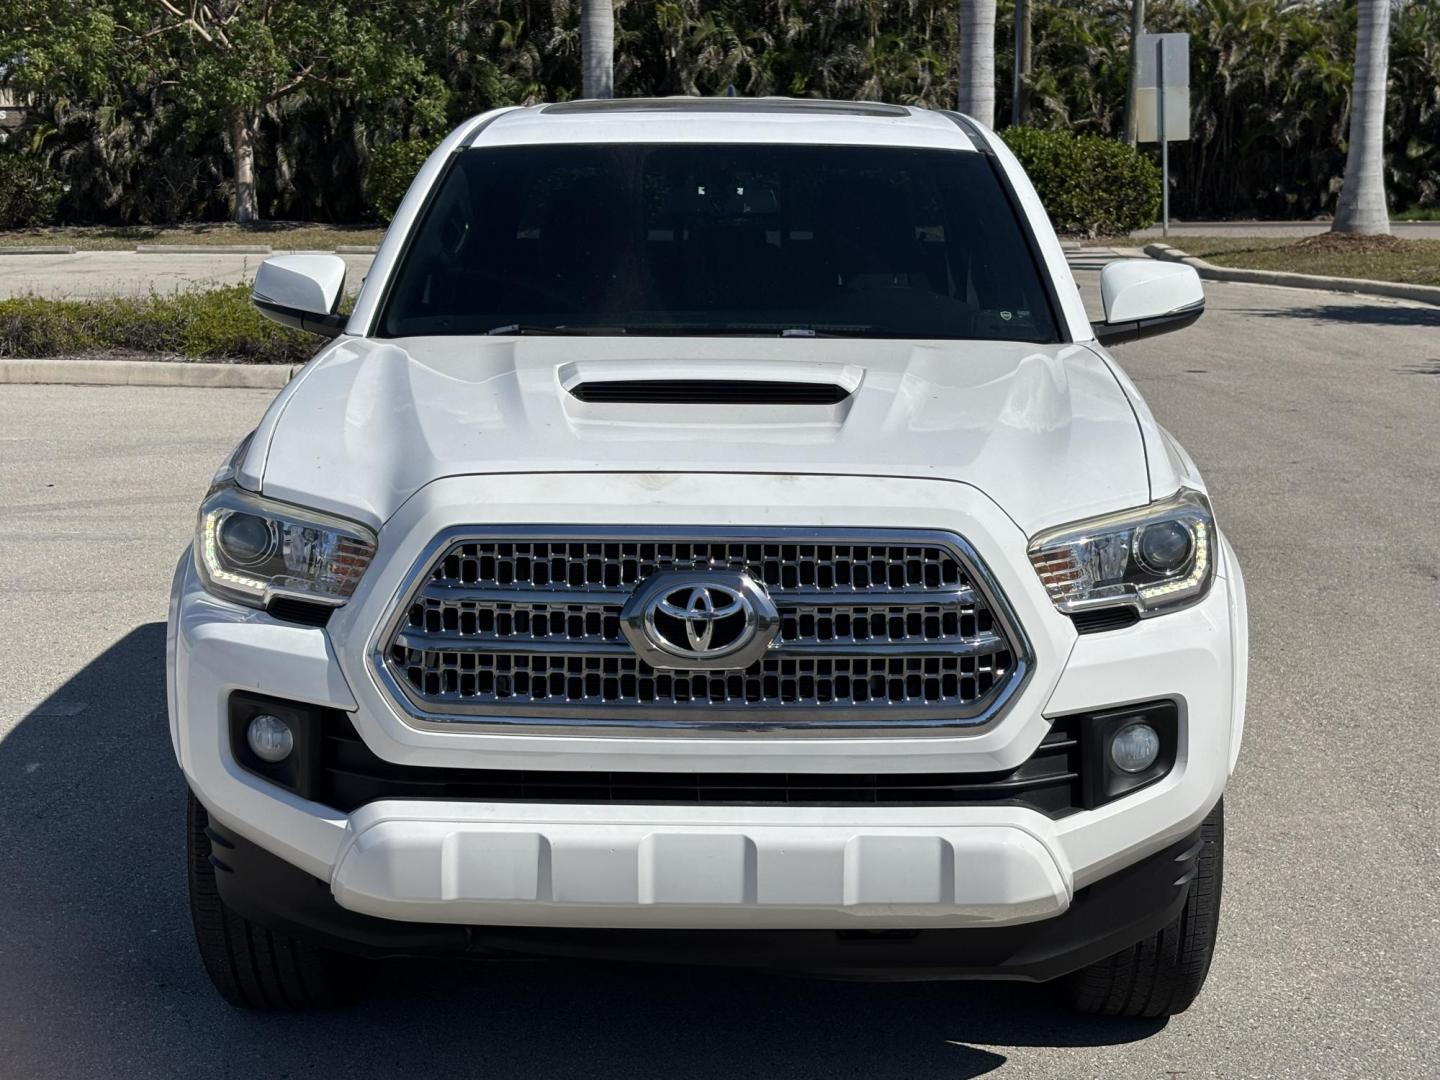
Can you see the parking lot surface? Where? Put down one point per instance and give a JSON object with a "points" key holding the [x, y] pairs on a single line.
{"points": [[1315, 419], [90, 275]]}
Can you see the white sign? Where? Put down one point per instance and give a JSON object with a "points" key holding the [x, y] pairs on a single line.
{"points": [[1177, 114], [1164, 81], [1176, 53]]}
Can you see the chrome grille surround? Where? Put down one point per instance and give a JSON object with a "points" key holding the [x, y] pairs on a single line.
{"points": [[518, 629]]}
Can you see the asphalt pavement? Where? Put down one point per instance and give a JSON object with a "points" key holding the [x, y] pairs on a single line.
{"points": [[1315, 418], [88, 275]]}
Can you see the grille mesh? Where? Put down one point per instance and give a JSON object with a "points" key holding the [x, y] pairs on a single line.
{"points": [[531, 625], [624, 680], [600, 564]]}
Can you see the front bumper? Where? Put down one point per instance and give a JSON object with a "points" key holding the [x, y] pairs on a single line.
{"points": [[641, 867], [1103, 919]]}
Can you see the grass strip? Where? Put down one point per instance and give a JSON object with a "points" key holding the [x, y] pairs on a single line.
{"points": [[1374, 258], [279, 235], [217, 324]]}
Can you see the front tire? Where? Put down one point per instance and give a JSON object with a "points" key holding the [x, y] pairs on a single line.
{"points": [[1162, 975], [253, 967]]}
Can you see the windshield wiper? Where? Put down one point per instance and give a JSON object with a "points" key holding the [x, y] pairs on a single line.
{"points": [[750, 330], [574, 331]]}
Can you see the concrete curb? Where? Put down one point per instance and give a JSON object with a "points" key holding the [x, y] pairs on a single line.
{"points": [[145, 373], [39, 249], [202, 249], [1425, 294], [356, 249]]}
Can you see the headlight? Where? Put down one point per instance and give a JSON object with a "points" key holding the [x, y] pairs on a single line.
{"points": [[1157, 558], [250, 549]]}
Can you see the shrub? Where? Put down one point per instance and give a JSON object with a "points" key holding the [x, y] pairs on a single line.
{"points": [[29, 192], [218, 324], [392, 167], [1090, 185]]}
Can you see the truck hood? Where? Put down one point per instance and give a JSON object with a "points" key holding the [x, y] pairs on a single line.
{"points": [[1044, 431]]}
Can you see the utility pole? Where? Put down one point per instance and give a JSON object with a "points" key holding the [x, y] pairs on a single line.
{"points": [[1164, 142], [1132, 89], [1019, 96]]}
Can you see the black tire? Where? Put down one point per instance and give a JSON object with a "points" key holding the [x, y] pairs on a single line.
{"points": [[1162, 975], [252, 967]]}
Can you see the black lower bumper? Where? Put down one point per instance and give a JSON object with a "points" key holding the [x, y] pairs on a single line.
{"points": [[1104, 918]]}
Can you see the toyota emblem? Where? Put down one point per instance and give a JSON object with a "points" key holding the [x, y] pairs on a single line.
{"points": [[699, 619]]}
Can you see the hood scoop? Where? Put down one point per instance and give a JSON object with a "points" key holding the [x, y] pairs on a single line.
{"points": [[708, 392]]}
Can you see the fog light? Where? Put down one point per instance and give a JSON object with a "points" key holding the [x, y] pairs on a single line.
{"points": [[270, 738], [1135, 747]]}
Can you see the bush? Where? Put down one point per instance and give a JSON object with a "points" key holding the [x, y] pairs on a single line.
{"points": [[1090, 186], [219, 324], [392, 167], [29, 192]]}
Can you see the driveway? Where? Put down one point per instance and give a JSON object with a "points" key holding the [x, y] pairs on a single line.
{"points": [[1315, 417]]}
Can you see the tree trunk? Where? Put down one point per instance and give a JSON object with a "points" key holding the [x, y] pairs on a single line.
{"points": [[242, 146], [1020, 88], [1362, 206], [977, 60], [1132, 87], [1026, 60], [597, 48]]}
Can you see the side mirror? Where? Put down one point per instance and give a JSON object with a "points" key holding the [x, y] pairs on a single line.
{"points": [[1143, 298], [301, 291]]}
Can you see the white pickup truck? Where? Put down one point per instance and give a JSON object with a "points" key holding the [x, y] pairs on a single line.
{"points": [[716, 534]]}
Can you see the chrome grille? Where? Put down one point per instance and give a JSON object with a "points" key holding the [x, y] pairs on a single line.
{"points": [[889, 627], [623, 564]]}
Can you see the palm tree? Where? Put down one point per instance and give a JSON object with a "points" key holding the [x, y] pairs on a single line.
{"points": [[1362, 194], [977, 60], [597, 48]]}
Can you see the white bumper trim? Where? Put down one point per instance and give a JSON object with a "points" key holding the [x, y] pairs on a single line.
{"points": [[463, 863]]}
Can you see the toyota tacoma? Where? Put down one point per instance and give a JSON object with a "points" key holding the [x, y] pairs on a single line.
{"points": [[716, 533]]}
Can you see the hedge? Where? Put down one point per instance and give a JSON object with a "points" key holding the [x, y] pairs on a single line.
{"points": [[1090, 186], [392, 167], [29, 192], [217, 324]]}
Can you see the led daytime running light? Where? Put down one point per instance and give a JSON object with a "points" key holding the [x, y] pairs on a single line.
{"points": [[1095, 564], [317, 557]]}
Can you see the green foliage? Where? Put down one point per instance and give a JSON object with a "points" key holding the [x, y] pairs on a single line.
{"points": [[1089, 185], [29, 192], [219, 324], [392, 168], [134, 107]]}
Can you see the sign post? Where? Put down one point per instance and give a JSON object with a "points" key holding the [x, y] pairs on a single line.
{"points": [[1164, 79]]}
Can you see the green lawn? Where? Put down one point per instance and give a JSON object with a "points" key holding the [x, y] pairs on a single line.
{"points": [[1378, 258], [279, 235]]}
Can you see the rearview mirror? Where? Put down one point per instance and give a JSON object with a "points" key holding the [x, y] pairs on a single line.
{"points": [[301, 291], [1143, 298]]}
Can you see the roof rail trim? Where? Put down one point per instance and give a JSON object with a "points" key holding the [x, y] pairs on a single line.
{"points": [[971, 130], [728, 104]]}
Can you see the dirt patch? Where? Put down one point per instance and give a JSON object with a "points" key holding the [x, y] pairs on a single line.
{"points": [[1350, 244]]}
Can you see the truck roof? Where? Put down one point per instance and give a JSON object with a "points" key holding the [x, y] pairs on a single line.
{"points": [[725, 119]]}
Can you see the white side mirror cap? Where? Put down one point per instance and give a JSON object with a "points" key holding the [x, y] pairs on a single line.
{"points": [[301, 291], [1143, 297]]}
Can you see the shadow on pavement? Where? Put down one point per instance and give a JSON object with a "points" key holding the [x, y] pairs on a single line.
{"points": [[98, 974], [1355, 313]]}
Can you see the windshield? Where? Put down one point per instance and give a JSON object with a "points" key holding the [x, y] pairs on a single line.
{"points": [[719, 239]]}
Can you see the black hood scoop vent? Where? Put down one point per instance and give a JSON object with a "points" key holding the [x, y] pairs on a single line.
{"points": [[708, 392]]}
